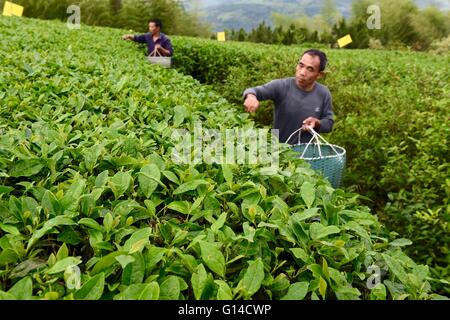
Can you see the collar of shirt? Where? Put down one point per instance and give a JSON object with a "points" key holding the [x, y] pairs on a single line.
{"points": [[161, 37]]}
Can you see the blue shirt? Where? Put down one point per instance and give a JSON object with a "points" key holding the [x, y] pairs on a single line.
{"points": [[147, 38]]}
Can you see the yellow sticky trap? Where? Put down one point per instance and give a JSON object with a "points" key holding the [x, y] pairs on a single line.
{"points": [[12, 9], [342, 42], [221, 36]]}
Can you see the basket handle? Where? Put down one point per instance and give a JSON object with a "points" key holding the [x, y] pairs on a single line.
{"points": [[300, 133], [154, 52], [293, 133], [323, 139], [316, 136]]}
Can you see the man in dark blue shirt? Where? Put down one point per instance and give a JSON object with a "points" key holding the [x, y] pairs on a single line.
{"points": [[155, 39]]}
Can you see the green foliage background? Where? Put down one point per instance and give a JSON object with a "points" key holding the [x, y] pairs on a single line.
{"points": [[126, 14]]}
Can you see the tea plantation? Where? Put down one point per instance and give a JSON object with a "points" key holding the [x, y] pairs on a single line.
{"points": [[93, 206]]}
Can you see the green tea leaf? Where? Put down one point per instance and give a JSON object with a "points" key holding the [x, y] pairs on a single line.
{"points": [[91, 289], [26, 168], [219, 222], [9, 229], [189, 186], [107, 261], [124, 260], [134, 272], [138, 240], [227, 174], [358, 229], [198, 280], [224, 292], [51, 204], [23, 289], [213, 258], [253, 277], [346, 293], [120, 183], [308, 193], [322, 287], [149, 177], [72, 195], [91, 156], [6, 296], [297, 291], [61, 265], [280, 283], [307, 214], [395, 268], [179, 206], [145, 291], [301, 254], [170, 289], [180, 113], [378, 292], [91, 223], [50, 224], [153, 256], [63, 252], [400, 242], [319, 231], [8, 256], [108, 222], [5, 189], [171, 176]]}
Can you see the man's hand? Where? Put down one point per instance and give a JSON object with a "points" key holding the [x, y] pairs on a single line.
{"points": [[251, 103], [128, 37], [311, 122], [162, 50]]}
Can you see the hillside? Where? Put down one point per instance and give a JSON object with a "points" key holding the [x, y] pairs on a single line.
{"points": [[249, 13]]}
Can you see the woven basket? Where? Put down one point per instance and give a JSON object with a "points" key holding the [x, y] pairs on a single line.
{"points": [[328, 159], [156, 58]]}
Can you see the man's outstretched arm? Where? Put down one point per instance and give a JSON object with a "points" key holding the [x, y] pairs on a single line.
{"points": [[135, 38]]}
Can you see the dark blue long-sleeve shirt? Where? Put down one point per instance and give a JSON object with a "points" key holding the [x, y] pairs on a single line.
{"points": [[147, 38]]}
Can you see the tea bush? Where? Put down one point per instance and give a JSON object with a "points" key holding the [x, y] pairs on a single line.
{"points": [[93, 206]]}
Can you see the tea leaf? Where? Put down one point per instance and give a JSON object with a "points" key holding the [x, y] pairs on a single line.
{"points": [[91, 289], [297, 291], [213, 258]]}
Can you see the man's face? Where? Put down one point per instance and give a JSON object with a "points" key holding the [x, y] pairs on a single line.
{"points": [[308, 71], [153, 28]]}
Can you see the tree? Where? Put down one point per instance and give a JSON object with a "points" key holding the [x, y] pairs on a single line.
{"points": [[242, 35], [340, 29], [116, 5], [289, 36], [96, 13], [262, 34], [126, 14], [430, 25], [329, 13]]}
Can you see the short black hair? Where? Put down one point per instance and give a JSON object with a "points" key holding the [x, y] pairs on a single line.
{"points": [[157, 22], [322, 56]]}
